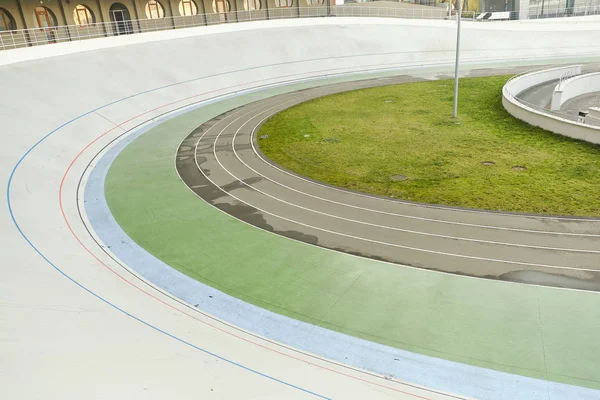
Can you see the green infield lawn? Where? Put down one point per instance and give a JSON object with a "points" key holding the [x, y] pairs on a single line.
{"points": [[400, 141]]}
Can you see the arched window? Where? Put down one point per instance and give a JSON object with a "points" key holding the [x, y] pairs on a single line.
{"points": [[283, 3], [220, 6], [45, 17], [7, 22], [314, 2], [187, 7], [251, 5], [154, 10], [83, 15]]}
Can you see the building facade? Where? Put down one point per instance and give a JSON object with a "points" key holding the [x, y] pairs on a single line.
{"points": [[32, 14], [59, 20]]}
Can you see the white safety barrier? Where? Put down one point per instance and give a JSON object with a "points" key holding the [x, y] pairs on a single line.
{"points": [[574, 87], [559, 123]]}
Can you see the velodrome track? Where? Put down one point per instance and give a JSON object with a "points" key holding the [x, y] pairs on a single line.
{"points": [[75, 324]]}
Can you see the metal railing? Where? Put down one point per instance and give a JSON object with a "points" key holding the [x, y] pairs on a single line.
{"points": [[539, 11], [561, 11], [58, 34], [567, 75], [66, 33], [586, 69], [573, 117]]}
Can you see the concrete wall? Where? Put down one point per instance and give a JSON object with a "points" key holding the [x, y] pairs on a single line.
{"points": [[594, 116], [550, 122], [521, 83], [404, 41], [24, 16], [576, 86]]}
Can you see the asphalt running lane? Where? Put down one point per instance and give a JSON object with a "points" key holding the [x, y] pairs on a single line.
{"points": [[220, 161]]}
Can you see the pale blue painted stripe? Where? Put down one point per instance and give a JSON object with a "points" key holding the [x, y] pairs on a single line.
{"points": [[447, 376]]}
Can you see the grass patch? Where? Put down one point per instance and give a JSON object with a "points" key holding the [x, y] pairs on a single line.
{"points": [[360, 140]]}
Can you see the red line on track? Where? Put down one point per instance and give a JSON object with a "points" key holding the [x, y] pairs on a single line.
{"points": [[60, 192]]}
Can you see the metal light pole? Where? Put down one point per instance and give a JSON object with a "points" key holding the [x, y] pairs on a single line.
{"points": [[455, 113]]}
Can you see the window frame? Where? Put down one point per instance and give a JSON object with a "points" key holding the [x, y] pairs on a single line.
{"points": [[50, 18], [8, 20], [255, 2], [193, 8], [225, 2], [154, 5], [288, 3], [89, 16]]}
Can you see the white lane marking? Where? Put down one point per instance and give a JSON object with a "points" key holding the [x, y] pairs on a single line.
{"points": [[539, 217], [326, 249], [394, 380], [368, 223], [360, 238]]}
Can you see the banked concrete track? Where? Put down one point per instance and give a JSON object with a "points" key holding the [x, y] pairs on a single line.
{"points": [[74, 323]]}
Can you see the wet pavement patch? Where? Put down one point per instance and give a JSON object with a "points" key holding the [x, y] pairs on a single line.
{"points": [[187, 164], [556, 280]]}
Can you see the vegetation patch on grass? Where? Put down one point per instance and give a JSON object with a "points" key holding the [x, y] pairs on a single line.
{"points": [[400, 141]]}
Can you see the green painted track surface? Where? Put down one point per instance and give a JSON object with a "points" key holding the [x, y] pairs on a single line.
{"points": [[539, 332]]}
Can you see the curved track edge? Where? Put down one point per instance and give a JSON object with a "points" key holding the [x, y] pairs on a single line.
{"points": [[363, 354]]}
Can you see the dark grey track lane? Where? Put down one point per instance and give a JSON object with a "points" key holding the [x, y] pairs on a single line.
{"points": [[236, 179]]}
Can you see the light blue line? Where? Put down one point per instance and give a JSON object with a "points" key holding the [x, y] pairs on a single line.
{"points": [[449, 376], [19, 162], [10, 210]]}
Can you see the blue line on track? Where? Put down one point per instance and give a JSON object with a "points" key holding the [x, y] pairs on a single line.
{"points": [[10, 210]]}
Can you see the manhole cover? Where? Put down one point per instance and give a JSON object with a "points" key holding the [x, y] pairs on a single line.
{"points": [[398, 178], [488, 163], [519, 168]]}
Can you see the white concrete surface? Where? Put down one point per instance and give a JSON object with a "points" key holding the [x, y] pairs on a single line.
{"points": [[574, 87], [75, 324], [594, 116], [519, 84], [561, 126], [534, 116]]}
